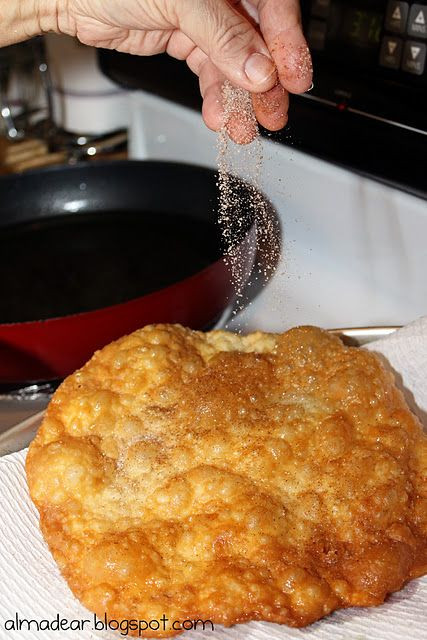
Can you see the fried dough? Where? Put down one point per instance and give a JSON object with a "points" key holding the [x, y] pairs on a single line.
{"points": [[231, 478]]}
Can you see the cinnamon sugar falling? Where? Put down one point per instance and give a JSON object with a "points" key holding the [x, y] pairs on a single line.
{"points": [[243, 160]]}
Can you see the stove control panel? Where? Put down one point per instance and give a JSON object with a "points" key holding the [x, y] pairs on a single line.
{"points": [[370, 57], [403, 44]]}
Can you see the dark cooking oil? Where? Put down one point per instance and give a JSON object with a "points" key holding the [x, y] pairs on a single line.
{"points": [[81, 262]]}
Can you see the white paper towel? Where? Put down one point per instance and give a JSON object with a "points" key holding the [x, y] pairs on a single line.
{"points": [[31, 585]]}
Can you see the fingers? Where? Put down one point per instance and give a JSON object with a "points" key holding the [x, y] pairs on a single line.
{"points": [[241, 129], [180, 46], [211, 82], [218, 41], [280, 23], [271, 108], [230, 41]]}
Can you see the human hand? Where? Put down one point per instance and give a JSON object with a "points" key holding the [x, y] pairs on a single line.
{"points": [[256, 44]]}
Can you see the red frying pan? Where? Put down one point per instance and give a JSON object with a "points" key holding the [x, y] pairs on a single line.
{"points": [[92, 252]]}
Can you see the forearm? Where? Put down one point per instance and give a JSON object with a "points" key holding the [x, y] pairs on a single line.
{"points": [[24, 19]]}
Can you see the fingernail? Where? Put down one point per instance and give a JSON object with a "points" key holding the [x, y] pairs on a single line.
{"points": [[311, 87], [259, 68]]}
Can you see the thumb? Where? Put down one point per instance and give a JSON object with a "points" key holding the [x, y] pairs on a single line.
{"points": [[231, 42]]}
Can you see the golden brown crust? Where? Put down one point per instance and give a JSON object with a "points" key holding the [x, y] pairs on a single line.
{"points": [[215, 476]]}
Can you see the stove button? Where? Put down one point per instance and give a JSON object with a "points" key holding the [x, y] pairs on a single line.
{"points": [[316, 34], [320, 8], [396, 16], [391, 52], [414, 57], [417, 25]]}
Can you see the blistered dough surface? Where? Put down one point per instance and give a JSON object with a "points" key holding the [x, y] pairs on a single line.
{"points": [[215, 476]]}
